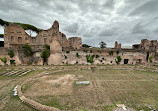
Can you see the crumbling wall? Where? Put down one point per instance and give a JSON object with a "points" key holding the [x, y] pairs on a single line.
{"points": [[117, 46], [75, 42], [55, 57]]}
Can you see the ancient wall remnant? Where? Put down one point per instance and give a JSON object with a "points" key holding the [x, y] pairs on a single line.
{"points": [[147, 45], [55, 53], [75, 42], [117, 46]]}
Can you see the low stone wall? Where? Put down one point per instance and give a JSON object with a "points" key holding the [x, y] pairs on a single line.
{"points": [[34, 104]]}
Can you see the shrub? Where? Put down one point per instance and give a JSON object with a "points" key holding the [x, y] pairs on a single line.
{"points": [[150, 59], [117, 52], [12, 62], [110, 52], [97, 56], [118, 60], [91, 51], [85, 51], [85, 45], [45, 54], [11, 53], [67, 52], [77, 55], [90, 58], [27, 50], [65, 56], [4, 60], [47, 46]]}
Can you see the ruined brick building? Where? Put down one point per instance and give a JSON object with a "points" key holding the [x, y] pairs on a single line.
{"points": [[15, 37], [70, 51]]}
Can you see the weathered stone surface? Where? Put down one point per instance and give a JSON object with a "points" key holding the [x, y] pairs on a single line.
{"points": [[117, 46], [75, 42], [55, 53]]}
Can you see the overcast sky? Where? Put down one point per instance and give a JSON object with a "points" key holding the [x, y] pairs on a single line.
{"points": [[125, 21]]}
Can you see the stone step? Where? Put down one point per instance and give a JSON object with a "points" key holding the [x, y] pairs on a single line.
{"points": [[10, 72], [13, 73], [19, 73], [25, 73]]}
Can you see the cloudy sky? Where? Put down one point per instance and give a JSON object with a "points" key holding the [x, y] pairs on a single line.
{"points": [[125, 21]]}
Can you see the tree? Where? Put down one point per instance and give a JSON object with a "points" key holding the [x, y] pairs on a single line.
{"points": [[102, 44], [45, 53], [11, 53], [118, 60], [150, 59], [27, 50], [85, 45], [4, 60]]}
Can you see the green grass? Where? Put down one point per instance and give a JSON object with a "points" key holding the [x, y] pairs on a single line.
{"points": [[135, 89]]}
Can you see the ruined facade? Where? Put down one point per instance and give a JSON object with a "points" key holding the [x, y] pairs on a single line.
{"points": [[15, 37], [70, 51], [117, 46], [147, 45]]}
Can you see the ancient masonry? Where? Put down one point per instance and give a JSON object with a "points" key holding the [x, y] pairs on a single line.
{"points": [[70, 51]]}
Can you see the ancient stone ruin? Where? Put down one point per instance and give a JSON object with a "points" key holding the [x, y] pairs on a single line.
{"points": [[70, 51]]}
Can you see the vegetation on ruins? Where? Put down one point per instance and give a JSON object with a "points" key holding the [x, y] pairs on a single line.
{"points": [[1, 35], [27, 50], [90, 58], [45, 53], [67, 52], [96, 56], [85, 51], [150, 59], [118, 60], [65, 56], [111, 52], [24, 26], [102, 44], [11, 54], [4, 60], [117, 52], [85, 45], [77, 55]]}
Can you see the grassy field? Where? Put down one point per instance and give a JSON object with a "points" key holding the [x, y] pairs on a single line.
{"points": [[136, 89]]}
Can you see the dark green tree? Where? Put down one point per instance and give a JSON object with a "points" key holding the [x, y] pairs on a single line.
{"points": [[27, 50], [11, 53], [85, 45], [4, 60], [102, 44], [45, 53], [118, 60]]}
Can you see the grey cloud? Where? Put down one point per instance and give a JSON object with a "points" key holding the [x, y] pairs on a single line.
{"points": [[94, 21], [138, 28], [147, 8], [73, 28], [109, 4]]}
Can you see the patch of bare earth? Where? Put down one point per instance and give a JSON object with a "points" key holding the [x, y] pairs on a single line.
{"points": [[51, 85]]}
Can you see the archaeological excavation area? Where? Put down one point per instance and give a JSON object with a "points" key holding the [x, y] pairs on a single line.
{"points": [[79, 88]]}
